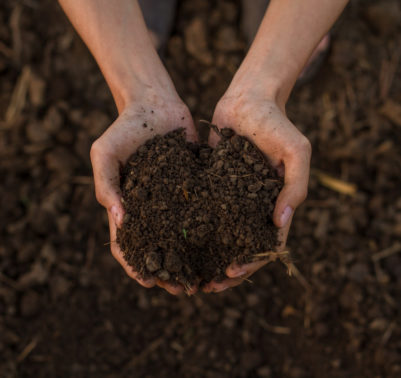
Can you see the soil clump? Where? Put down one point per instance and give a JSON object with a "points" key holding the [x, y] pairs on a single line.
{"points": [[191, 210]]}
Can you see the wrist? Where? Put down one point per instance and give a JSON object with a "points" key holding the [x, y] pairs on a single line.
{"points": [[264, 80], [138, 82], [250, 87]]}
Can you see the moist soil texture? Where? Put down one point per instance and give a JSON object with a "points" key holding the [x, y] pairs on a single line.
{"points": [[68, 309], [191, 210]]}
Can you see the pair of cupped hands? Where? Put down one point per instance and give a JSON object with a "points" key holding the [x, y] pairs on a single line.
{"points": [[259, 118]]}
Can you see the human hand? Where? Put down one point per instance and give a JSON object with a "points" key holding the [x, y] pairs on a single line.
{"points": [[137, 123], [265, 123]]}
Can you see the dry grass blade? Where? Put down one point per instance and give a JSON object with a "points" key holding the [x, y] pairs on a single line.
{"points": [[387, 334], [5, 50], [271, 256], [285, 258], [27, 350], [18, 97], [274, 329], [211, 126], [15, 25], [392, 111], [395, 248], [293, 271], [335, 184], [387, 73]]}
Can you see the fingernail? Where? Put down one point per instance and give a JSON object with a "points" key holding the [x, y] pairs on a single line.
{"points": [[285, 216]]}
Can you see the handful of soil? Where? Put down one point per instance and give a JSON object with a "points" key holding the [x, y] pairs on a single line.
{"points": [[192, 210]]}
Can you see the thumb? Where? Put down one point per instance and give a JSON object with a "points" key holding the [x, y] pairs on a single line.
{"points": [[295, 189], [107, 182]]}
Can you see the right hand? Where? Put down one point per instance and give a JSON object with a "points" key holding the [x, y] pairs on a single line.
{"points": [[265, 123], [117, 144]]}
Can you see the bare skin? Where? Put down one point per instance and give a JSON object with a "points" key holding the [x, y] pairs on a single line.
{"points": [[254, 104], [116, 145]]}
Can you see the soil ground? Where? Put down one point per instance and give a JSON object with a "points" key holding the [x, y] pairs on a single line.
{"points": [[66, 307]]}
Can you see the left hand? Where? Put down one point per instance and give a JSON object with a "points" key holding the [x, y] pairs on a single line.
{"points": [[265, 123]]}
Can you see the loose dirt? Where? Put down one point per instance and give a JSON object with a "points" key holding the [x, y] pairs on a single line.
{"points": [[67, 308], [191, 210]]}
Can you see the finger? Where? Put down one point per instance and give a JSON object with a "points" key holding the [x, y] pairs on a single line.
{"points": [[191, 133], [217, 120], [296, 177], [282, 236], [118, 255], [234, 270], [172, 289], [107, 182], [213, 138], [218, 287]]}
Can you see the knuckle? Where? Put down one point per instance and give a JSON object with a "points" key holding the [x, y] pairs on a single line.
{"points": [[305, 145], [302, 147], [225, 109], [100, 197], [95, 150], [303, 194]]}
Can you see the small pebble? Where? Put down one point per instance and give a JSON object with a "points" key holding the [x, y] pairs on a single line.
{"points": [[253, 188], [227, 133], [153, 262], [172, 262], [163, 275], [258, 167]]}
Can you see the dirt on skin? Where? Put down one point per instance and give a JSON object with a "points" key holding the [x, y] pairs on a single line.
{"points": [[191, 210]]}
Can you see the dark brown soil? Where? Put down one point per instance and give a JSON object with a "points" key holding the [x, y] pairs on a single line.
{"points": [[192, 210], [67, 308]]}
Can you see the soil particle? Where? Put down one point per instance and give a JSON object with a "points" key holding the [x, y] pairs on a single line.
{"points": [[30, 304], [164, 275], [384, 16], [172, 262], [192, 210], [153, 262], [196, 41]]}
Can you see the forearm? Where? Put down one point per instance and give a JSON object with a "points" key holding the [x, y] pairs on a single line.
{"points": [[116, 34], [289, 32]]}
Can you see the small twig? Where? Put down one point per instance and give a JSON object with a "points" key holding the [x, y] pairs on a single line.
{"points": [[27, 350], [273, 255], [212, 127], [387, 334], [293, 270], [395, 248], [214, 174], [274, 329], [5, 50], [8, 281], [238, 176], [18, 97], [335, 184]]}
